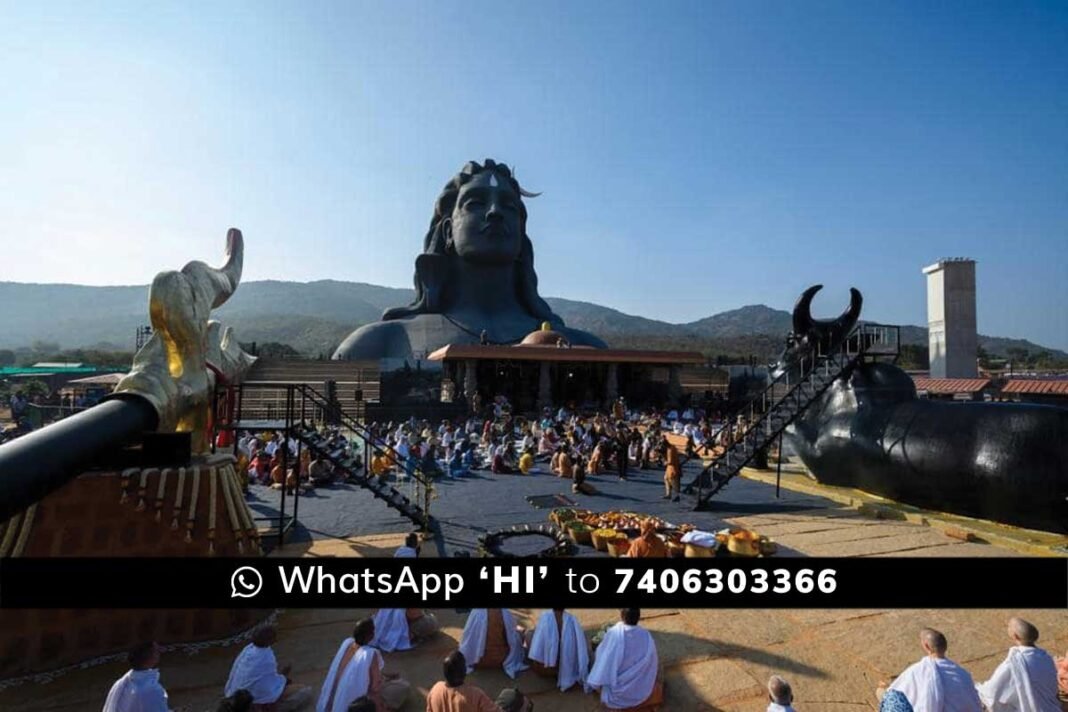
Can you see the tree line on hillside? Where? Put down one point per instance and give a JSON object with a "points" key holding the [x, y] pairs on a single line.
{"points": [[752, 349], [44, 351], [1021, 359]]}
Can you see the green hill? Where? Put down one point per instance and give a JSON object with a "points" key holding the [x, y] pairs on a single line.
{"points": [[313, 317]]}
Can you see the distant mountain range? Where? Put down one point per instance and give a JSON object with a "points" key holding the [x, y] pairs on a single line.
{"points": [[313, 317]]}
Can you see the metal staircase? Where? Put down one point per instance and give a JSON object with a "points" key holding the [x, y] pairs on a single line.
{"points": [[361, 476], [296, 409], [786, 397]]}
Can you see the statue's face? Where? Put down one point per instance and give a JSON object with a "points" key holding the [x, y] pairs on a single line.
{"points": [[486, 221]]}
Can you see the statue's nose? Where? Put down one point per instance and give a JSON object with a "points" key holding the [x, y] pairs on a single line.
{"points": [[494, 213]]}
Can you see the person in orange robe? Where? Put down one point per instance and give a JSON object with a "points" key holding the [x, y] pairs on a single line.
{"points": [[648, 544], [1062, 677], [454, 693], [672, 471], [579, 485], [563, 463], [594, 466]]}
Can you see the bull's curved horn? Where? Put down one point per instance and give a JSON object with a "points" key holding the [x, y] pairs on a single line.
{"points": [[849, 317], [803, 321]]}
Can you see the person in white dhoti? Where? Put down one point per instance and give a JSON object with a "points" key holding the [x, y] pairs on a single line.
{"points": [[139, 690], [402, 628], [558, 643], [936, 683], [1027, 680], [410, 549], [491, 638], [391, 630], [626, 667], [357, 671], [780, 695], [256, 670]]}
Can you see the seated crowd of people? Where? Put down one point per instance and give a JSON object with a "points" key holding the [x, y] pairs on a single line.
{"points": [[269, 458], [563, 442], [624, 671]]}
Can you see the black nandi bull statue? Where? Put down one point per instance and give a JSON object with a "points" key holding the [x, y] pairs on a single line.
{"points": [[1006, 462]]}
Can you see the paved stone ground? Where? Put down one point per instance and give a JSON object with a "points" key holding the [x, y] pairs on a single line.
{"points": [[468, 506], [714, 660], [802, 524]]}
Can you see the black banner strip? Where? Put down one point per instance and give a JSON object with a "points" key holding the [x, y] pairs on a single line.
{"points": [[543, 583]]}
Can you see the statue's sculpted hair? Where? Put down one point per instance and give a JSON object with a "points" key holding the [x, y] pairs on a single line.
{"points": [[433, 274]]}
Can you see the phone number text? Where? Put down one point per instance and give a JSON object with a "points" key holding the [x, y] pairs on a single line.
{"points": [[714, 581]]}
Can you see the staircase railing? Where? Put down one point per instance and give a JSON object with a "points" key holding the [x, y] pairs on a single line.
{"points": [[786, 396], [302, 407], [390, 495], [335, 410]]}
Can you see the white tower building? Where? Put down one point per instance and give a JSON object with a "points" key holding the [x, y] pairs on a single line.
{"points": [[953, 340]]}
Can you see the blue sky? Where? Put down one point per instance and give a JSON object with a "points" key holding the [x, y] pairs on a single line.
{"points": [[694, 157]]}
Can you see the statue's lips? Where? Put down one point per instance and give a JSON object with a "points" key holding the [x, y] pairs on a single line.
{"points": [[495, 230]]}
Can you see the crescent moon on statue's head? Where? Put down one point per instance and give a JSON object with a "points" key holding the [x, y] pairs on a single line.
{"points": [[524, 193]]}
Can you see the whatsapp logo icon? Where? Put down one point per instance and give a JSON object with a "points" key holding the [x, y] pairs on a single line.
{"points": [[245, 582]]}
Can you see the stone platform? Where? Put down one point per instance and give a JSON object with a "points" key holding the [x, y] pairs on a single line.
{"points": [[807, 519]]}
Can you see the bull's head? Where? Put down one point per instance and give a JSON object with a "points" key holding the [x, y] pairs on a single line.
{"points": [[177, 369], [810, 336]]}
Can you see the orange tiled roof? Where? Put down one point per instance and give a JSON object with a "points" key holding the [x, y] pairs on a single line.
{"points": [[552, 353], [1036, 387], [951, 385]]}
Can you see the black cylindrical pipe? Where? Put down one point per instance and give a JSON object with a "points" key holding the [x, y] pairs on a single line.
{"points": [[40, 462]]}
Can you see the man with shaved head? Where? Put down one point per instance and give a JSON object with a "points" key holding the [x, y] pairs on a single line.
{"points": [[454, 693], [936, 683], [404, 628], [357, 671], [1027, 680], [780, 695], [626, 669], [256, 670], [139, 690]]}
